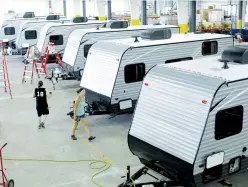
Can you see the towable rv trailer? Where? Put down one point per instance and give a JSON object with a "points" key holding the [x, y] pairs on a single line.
{"points": [[114, 69], [81, 40], [11, 29], [58, 34], [191, 118], [30, 32]]}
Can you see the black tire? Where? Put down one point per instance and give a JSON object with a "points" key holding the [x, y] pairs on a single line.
{"points": [[11, 183]]}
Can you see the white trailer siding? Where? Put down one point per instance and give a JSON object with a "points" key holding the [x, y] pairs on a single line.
{"points": [[104, 68], [37, 26], [237, 95], [64, 30], [91, 36], [13, 23], [168, 119], [152, 55]]}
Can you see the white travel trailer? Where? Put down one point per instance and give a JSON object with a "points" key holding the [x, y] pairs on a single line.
{"points": [[114, 69], [81, 40], [190, 119], [59, 34], [30, 31], [11, 29]]}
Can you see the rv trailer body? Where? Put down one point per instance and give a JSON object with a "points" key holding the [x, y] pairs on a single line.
{"points": [[30, 32], [81, 40], [190, 120], [62, 30], [58, 34], [11, 29], [114, 69]]}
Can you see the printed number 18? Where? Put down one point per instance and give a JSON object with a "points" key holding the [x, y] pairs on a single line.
{"points": [[40, 94]]}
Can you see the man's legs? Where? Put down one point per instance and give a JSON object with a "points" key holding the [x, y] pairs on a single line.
{"points": [[43, 123]]}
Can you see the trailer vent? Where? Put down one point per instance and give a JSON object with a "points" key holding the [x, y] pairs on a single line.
{"points": [[238, 54], [113, 24], [29, 15], [53, 17], [156, 34], [79, 19]]}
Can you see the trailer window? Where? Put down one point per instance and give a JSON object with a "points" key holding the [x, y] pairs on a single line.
{"points": [[178, 60], [209, 48], [9, 30], [228, 122], [134, 72], [86, 49], [29, 35], [57, 39]]}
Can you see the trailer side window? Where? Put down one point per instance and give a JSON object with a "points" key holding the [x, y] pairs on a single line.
{"points": [[57, 39], [178, 60], [9, 30], [228, 122], [134, 72], [86, 49], [209, 48], [29, 35]]}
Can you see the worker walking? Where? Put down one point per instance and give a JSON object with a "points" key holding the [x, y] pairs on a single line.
{"points": [[79, 115], [41, 103]]}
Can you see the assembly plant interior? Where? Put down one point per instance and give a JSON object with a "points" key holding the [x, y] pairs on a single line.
{"points": [[123, 93]]}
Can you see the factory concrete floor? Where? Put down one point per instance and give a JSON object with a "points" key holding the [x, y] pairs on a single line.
{"points": [[19, 128]]}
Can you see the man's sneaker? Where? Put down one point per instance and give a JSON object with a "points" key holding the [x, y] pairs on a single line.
{"points": [[91, 138], [42, 125], [73, 137]]}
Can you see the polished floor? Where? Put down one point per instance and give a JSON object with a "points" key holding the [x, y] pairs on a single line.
{"points": [[18, 127]]}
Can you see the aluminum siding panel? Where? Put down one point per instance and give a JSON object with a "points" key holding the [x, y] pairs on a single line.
{"points": [[94, 37], [71, 48], [17, 25], [170, 114], [65, 31], [157, 55], [32, 26], [232, 146], [101, 67]]}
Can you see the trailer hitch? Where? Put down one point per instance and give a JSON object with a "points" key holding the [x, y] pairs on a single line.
{"points": [[130, 181]]}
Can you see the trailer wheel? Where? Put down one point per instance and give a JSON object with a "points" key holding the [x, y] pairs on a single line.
{"points": [[11, 183]]}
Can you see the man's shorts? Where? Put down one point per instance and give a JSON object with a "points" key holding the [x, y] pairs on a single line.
{"points": [[42, 111], [80, 117]]}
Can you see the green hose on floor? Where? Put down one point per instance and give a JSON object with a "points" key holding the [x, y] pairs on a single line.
{"points": [[107, 163]]}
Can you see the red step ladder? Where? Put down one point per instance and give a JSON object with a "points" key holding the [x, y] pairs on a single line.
{"points": [[50, 49], [31, 66], [4, 76]]}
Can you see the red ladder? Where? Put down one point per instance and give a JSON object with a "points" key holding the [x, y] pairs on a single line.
{"points": [[4, 72], [50, 48], [29, 71]]}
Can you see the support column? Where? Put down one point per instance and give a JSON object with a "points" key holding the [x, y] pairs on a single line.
{"points": [[77, 8], [84, 8], [109, 10], [192, 16], [57, 6], [135, 12], [50, 6], [101, 7], [155, 7], [244, 13], [143, 12], [239, 21], [183, 15], [64, 8]]}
